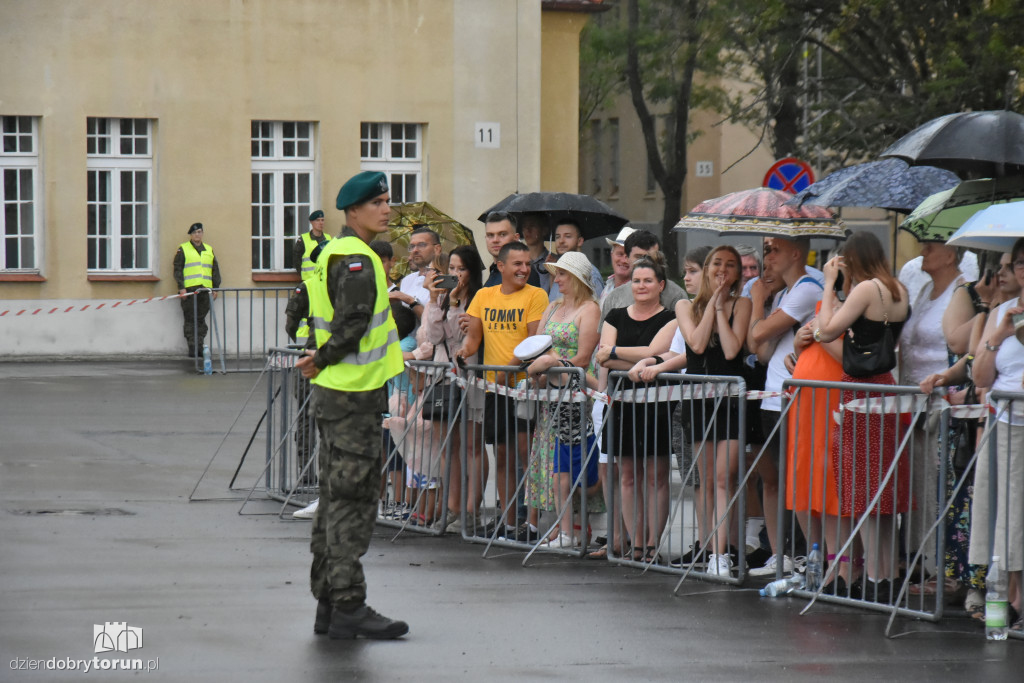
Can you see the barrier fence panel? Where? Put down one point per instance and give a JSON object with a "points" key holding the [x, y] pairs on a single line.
{"points": [[246, 323], [686, 519], [997, 522], [530, 459], [290, 435], [863, 473], [420, 449]]}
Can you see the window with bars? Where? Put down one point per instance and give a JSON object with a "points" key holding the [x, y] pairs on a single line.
{"points": [[397, 150], [19, 166], [119, 195], [283, 190]]}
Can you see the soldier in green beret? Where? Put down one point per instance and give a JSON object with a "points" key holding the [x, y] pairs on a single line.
{"points": [[196, 268], [307, 242], [357, 352]]}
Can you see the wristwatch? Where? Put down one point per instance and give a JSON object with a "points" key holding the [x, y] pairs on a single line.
{"points": [[817, 334], [612, 355]]}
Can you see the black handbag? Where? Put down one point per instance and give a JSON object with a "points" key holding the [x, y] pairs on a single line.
{"points": [[873, 358], [437, 398]]}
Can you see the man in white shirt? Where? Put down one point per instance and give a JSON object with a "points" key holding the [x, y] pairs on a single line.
{"points": [[771, 338], [424, 247]]}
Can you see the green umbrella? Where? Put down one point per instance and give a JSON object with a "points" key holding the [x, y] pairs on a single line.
{"points": [[407, 217], [940, 215]]}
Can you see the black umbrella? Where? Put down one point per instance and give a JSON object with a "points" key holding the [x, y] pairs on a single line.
{"points": [[499, 207], [987, 142], [886, 184], [594, 216]]}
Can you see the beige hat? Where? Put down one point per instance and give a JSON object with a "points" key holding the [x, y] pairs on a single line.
{"points": [[620, 239], [576, 264]]}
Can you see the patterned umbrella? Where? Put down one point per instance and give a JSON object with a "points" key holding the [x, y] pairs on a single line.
{"points": [[886, 184], [407, 217], [762, 211], [940, 215], [986, 142]]}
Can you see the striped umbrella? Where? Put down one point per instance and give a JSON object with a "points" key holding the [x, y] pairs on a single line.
{"points": [[762, 211]]}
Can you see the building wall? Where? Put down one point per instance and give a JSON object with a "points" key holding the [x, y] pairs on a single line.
{"points": [[203, 70], [560, 95]]}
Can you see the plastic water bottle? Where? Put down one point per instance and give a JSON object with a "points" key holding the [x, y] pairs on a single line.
{"points": [[207, 361], [813, 571], [781, 587], [995, 601]]}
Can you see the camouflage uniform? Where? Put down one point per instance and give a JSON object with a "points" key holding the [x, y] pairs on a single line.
{"points": [[349, 425], [295, 313], [194, 312]]}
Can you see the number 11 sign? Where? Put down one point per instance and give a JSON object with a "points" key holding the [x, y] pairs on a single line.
{"points": [[487, 134]]}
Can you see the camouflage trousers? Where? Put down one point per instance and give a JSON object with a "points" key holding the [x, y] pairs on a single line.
{"points": [[305, 430], [350, 475], [195, 309]]}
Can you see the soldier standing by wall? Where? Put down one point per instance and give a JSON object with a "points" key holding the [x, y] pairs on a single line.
{"points": [[357, 353], [195, 267], [307, 242]]}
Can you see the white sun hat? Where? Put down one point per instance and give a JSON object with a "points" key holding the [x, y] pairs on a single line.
{"points": [[576, 264], [620, 239]]}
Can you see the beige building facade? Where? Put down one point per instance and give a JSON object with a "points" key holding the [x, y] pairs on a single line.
{"points": [[125, 121]]}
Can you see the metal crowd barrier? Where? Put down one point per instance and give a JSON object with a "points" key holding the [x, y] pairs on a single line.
{"points": [[289, 435], [999, 487], [869, 487], [536, 443], [420, 449], [246, 324], [689, 519]]}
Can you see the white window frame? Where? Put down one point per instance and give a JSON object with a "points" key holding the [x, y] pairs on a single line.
{"points": [[281, 156], [19, 162], [114, 165], [389, 147]]}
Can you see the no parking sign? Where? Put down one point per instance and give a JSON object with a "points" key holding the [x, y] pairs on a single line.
{"points": [[789, 175]]}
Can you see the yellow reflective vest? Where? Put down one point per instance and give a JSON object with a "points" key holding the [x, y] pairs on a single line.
{"points": [[198, 270], [379, 357], [309, 244]]}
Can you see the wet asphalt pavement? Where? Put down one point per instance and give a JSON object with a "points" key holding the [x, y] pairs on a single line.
{"points": [[98, 462]]}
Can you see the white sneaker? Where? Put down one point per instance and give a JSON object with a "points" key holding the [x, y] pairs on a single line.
{"points": [[769, 567], [307, 512], [559, 541], [720, 565]]}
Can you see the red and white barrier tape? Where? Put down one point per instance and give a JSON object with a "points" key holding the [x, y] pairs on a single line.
{"points": [[94, 307], [638, 395]]}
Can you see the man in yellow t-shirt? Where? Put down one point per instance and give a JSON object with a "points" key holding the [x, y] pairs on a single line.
{"points": [[501, 317]]}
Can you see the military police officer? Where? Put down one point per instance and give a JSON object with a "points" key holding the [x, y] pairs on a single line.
{"points": [[357, 353], [195, 267]]}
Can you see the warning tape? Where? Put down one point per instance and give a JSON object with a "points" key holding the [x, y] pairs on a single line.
{"points": [[95, 307], [638, 395]]}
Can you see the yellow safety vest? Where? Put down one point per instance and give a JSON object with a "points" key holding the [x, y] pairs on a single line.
{"points": [[310, 244], [198, 271], [379, 357]]}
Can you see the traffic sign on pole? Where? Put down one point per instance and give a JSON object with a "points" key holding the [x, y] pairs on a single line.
{"points": [[789, 175]]}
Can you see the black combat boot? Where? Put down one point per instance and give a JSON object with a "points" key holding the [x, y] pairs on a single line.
{"points": [[323, 616], [364, 622]]}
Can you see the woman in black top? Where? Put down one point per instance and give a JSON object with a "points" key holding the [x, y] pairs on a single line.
{"points": [[714, 326], [638, 432]]}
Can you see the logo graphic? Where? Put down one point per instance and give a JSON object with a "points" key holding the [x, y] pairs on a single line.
{"points": [[116, 635]]}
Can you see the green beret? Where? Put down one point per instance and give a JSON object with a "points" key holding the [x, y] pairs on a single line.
{"points": [[194, 227], [315, 215], [362, 187]]}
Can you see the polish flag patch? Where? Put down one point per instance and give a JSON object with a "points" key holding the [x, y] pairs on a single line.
{"points": [[355, 267]]}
